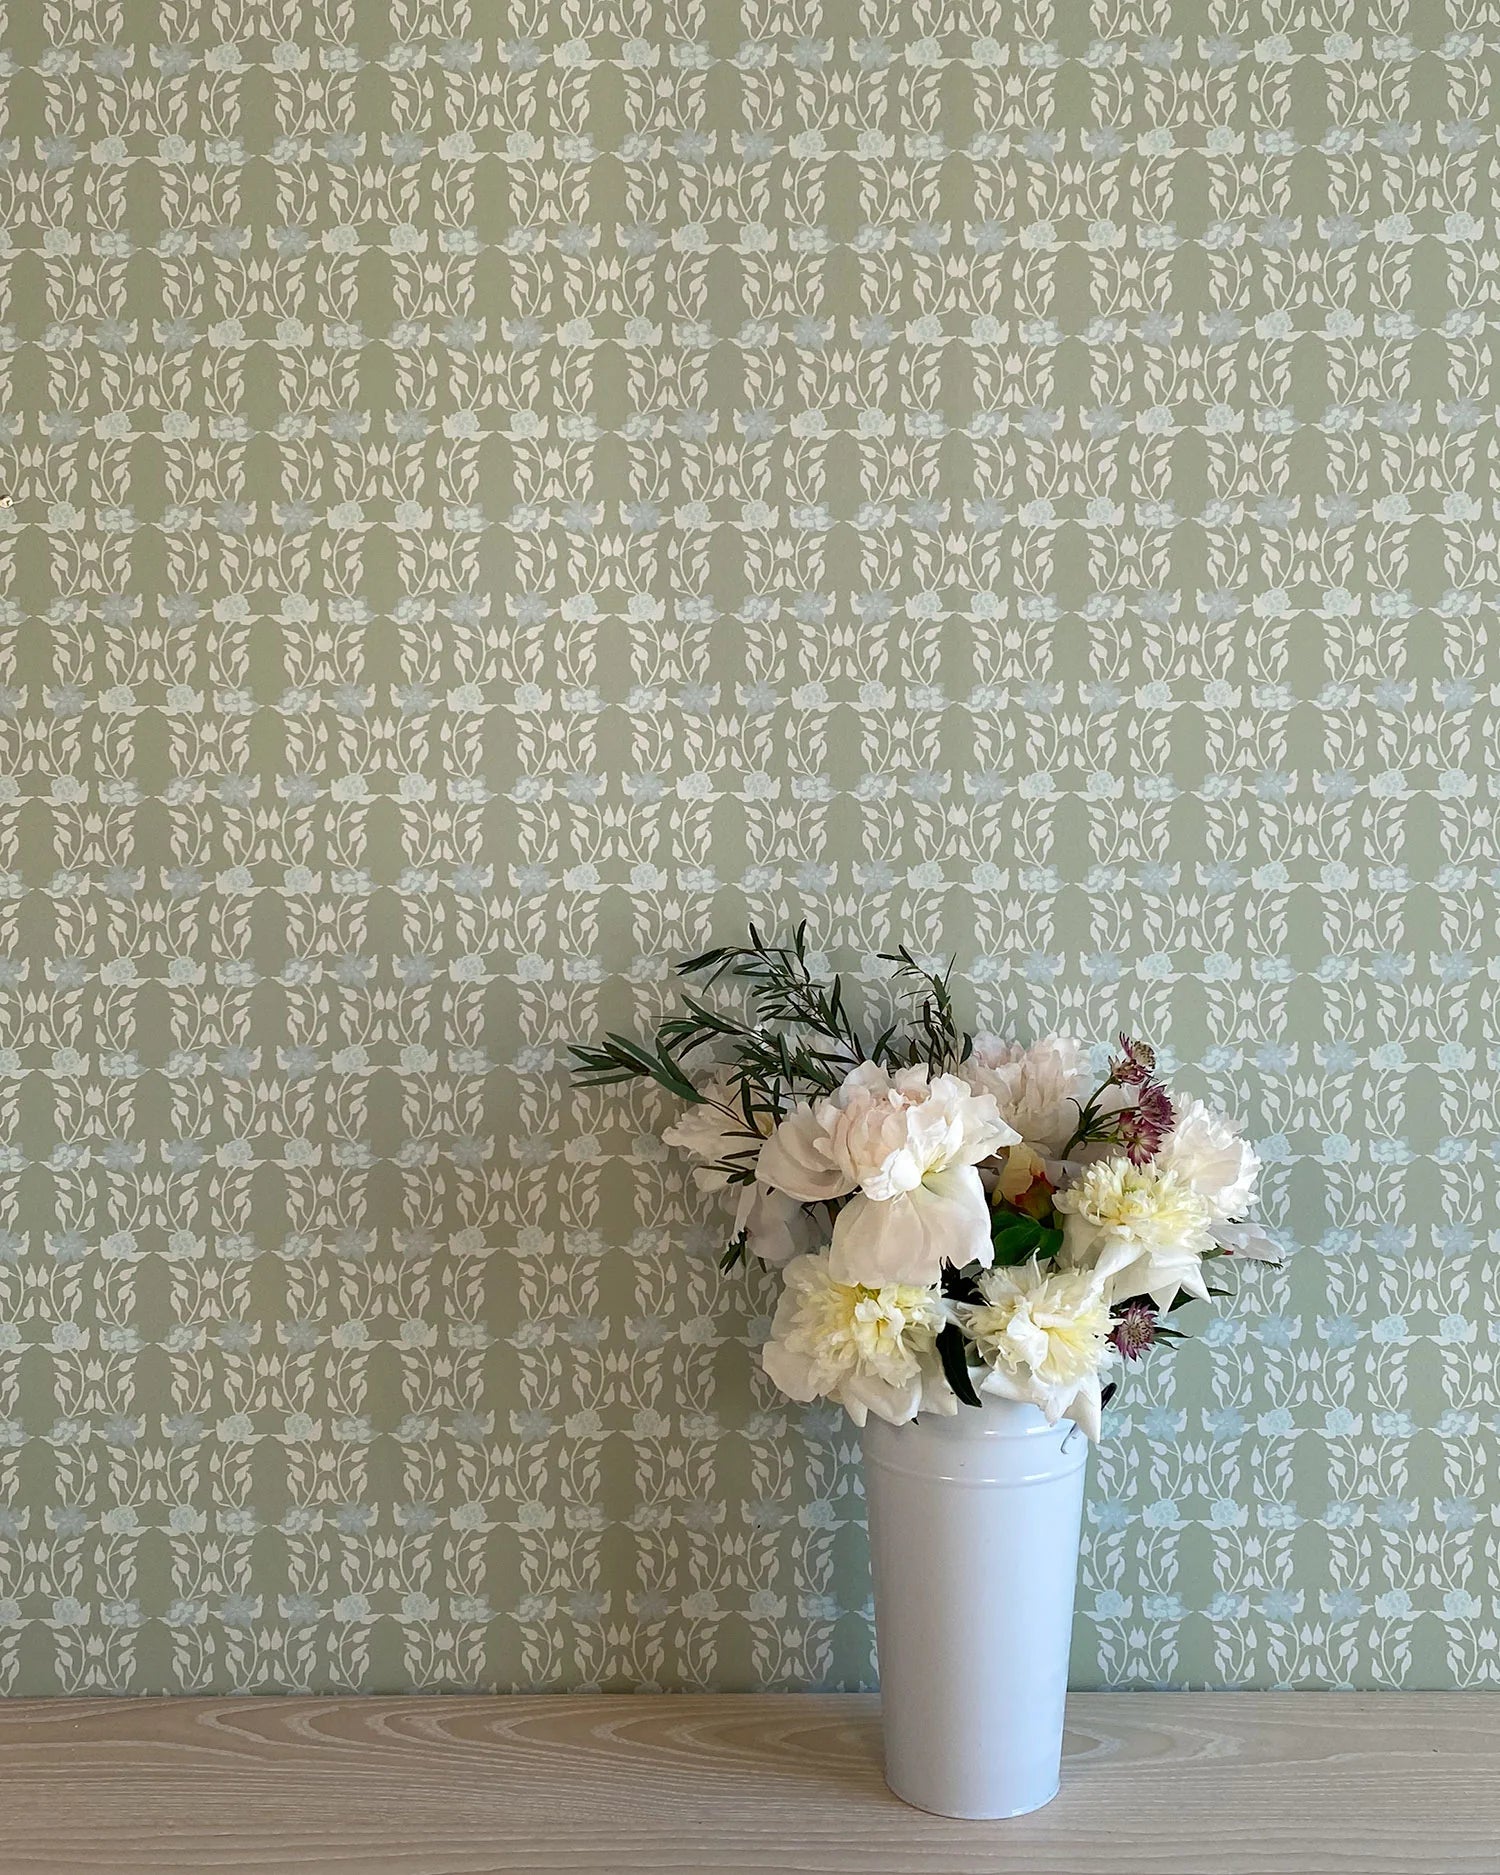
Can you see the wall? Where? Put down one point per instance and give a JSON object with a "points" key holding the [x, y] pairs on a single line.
{"points": [[505, 494]]}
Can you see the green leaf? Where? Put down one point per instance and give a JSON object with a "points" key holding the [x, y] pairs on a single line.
{"points": [[706, 960], [621, 1059], [598, 1067], [1015, 1238], [953, 1353], [1182, 1298]]}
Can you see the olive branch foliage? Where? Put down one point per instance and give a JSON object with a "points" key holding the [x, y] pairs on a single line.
{"points": [[798, 1038], [802, 1039]]}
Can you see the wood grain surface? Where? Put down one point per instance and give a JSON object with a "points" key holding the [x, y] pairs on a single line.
{"points": [[1154, 1784]]}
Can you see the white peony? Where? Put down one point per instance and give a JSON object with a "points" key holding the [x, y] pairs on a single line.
{"points": [[1246, 1239], [1037, 1090], [1040, 1091], [1205, 1150], [907, 1144], [1043, 1339], [712, 1128], [1140, 1229], [774, 1225], [870, 1350]]}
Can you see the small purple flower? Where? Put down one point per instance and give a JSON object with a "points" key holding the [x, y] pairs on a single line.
{"points": [[1134, 1330], [1143, 1127], [1135, 1063]]}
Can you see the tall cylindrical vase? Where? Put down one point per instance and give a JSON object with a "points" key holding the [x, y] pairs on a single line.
{"points": [[974, 1526]]}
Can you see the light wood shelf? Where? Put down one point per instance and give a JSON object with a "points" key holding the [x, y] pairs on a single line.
{"points": [[1154, 1784]]}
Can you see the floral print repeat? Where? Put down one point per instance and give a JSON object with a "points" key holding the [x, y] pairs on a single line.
{"points": [[501, 494]]}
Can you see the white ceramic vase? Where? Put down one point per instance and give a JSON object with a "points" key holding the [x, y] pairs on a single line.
{"points": [[974, 1526]]}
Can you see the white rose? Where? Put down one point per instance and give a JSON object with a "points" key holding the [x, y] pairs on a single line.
{"points": [[1043, 1339], [870, 1350], [774, 1225], [795, 1160]]}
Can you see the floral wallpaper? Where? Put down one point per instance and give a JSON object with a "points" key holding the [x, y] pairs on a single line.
{"points": [[499, 495]]}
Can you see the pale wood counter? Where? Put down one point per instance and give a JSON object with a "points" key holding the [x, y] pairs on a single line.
{"points": [[1154, 1784]]}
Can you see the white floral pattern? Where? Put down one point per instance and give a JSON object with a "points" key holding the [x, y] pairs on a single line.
{"points": [[501, 495]]}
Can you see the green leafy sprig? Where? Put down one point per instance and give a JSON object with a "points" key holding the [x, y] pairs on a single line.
{"points": [[801, 1038], [936, 1037]]}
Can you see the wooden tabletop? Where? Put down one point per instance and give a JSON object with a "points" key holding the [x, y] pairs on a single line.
{"points": [[1154, 1784]]}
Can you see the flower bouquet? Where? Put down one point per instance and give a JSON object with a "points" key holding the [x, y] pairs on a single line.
{"points": [[960, 1222]]}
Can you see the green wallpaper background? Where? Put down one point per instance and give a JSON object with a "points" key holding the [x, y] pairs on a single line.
{"points": [[503, 493]]}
